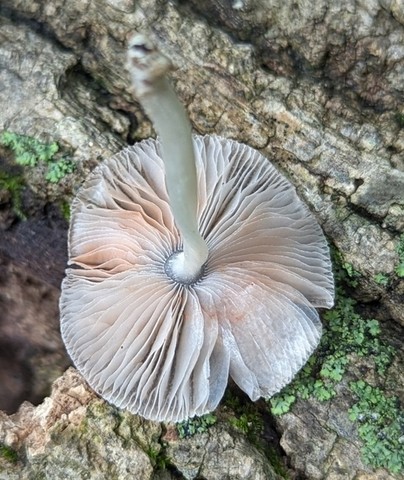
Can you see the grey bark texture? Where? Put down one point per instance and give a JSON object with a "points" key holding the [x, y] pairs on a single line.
{"points": [[316, 87]]}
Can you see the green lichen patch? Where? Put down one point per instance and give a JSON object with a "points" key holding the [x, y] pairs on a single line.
{"points": [[195, 425], [400, 250], [382, 279], [380, 426], [345, 272], [346, 333], [347, 336], [30, 152], [58, 170]]}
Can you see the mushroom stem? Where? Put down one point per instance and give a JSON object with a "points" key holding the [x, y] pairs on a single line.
{"points": [[148, 68]]}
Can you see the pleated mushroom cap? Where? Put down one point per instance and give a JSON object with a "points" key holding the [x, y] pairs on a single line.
{"points": [[164, 349]]}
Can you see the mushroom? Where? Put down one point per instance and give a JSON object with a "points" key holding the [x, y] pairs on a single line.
{"points": [[192, 260]]}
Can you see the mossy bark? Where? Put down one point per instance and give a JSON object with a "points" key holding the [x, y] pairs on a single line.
{"points": [[317, 88]]}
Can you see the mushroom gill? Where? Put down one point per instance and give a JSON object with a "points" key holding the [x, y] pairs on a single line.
{"points": [[161, 345]]}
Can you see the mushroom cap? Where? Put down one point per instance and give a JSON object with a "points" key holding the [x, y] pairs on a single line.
{"points": [[164, 349]]}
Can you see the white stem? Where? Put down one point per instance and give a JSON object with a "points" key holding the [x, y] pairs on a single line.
{"points": [[148, 68]]}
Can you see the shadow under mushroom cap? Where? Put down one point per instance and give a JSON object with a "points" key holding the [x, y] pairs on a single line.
{"points": [[163, 349]]}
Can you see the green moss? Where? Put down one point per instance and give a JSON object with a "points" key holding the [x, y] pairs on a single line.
{"points": [[346, 335], [380, 426], [249, 422], [8, 453], [277, 464], [346, 332], [158, 458], [246, 418], [65, 210], [30, 152], [14, 184], [195, 425]]}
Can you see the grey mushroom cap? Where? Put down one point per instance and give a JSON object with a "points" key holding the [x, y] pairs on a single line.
{"points": [[164, 349]]}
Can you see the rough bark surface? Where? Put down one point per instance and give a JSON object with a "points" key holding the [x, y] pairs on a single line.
{"points": [[73, 434], [315, 87]]}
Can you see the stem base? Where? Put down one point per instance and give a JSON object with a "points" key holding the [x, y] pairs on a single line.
{"points": [[179, 270]]}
